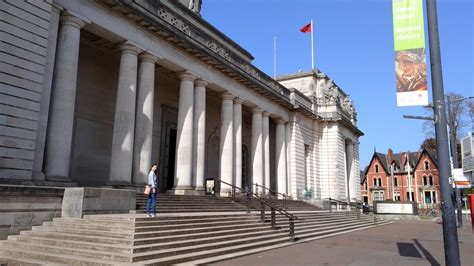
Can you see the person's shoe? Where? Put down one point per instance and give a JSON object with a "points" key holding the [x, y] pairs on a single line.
{"points": [[148, 215], [153, 216]]}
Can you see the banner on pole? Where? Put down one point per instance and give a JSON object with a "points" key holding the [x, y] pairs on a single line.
{"points": [[410, 56]]}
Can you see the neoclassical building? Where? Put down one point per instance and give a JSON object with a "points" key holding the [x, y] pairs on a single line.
{"points": [[93, 92]]}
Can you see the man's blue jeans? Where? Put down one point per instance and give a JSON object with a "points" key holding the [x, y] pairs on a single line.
{"points": [[151, 203]]}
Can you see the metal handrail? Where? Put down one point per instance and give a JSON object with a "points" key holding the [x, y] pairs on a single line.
{"points": [[264, 202], [272, 191], [357, 205]]}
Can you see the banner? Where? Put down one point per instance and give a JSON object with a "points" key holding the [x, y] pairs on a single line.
{"points": [[410, 56]]}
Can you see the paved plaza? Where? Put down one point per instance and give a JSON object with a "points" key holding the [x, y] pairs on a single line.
{"points": [[400, 243]]}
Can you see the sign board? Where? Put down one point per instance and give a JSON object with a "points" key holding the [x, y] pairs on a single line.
{"points": [[410, 58], [467, 147], [460, 179], [397, 207]]}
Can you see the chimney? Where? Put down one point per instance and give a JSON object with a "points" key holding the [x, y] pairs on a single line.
{"points": [[389, 156]]}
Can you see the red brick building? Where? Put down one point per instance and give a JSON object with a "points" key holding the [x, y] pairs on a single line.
{"points": [[392, 176]]}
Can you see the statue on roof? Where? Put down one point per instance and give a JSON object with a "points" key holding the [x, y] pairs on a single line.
{"points": [[194, 5]]}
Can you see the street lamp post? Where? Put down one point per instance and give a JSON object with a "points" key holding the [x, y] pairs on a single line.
{"points": [[450, 234]]}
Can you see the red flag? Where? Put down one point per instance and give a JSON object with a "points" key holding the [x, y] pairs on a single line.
{"points": [[306, 28]]}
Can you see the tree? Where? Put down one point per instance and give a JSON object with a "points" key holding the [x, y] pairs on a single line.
{"points": [[459, 112], [429, 144]]}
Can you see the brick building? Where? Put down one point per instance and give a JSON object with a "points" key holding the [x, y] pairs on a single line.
{"points": [[392, 176]]}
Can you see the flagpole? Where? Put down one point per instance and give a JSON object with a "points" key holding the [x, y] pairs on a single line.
{"points": [[274, 56], [312, 47]]}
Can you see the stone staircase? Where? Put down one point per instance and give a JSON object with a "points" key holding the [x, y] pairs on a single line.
{"points": [[171, 238]]}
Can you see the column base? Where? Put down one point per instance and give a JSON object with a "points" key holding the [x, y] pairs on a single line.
{"points": [[120, 184], [186, 190]]}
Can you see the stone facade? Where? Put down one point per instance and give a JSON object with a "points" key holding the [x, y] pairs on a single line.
{"points": [[93, 92]]}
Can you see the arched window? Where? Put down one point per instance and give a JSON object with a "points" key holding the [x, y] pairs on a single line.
{"points": [[427, 165], [376, 168], [425, 181], [430, 179]]}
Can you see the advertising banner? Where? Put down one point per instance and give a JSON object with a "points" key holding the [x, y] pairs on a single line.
{"points": [[410, 56]]}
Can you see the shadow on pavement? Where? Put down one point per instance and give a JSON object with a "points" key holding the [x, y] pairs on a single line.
{"points": [[408, 250], [427, 254]]}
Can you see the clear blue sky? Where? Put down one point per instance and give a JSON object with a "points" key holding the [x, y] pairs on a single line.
{"points": [[353, 42]]}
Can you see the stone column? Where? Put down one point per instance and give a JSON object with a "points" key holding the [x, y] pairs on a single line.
{"points": [[281, 156], [144, 119], [184, 138], [288, 157], [257, 148], [238, 142], [226, 143], [63, 98], [124, 123], [266, 149], [199, 133]]}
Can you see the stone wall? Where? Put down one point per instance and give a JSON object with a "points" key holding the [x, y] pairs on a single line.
{"points": [[23, 49], [22, 207]]}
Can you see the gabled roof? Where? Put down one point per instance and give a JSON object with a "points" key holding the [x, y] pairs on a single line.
{"points": [[430, 154], [400, 159]]}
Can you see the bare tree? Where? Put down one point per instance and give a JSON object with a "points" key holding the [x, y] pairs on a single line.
{"points": [[470, 106], [459, 114]]}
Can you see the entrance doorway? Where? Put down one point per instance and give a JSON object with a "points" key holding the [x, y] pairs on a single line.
{"points": [[168, 148]]}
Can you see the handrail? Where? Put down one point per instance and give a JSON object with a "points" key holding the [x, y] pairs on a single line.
{"points": [[272, 191], [264, 202], [356, 205]]}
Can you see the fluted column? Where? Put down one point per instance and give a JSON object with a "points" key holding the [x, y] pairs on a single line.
{"points": [[63, 98], [144, 119], [199, 132], [281, 156], [257, 148], [238, 142], [289, 163], [266, 149], [124, 122], [226, 142], [184, 138]]}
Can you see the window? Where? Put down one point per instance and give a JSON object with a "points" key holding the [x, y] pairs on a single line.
{"points": [[376, 168], [430, 197], [395, 182], [425, 181], [430, 178], [375, 182], [412, 196], [380, 182], [427, 165], [397, 196], [378, 195]]}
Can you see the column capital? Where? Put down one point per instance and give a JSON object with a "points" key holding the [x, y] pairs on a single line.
{"points": [[200, 83], [257, 110], [186, 76], [280, 121], [238, 100], [227, 96], [147, 57], [129, 48], [265, 114], [69, 20]]}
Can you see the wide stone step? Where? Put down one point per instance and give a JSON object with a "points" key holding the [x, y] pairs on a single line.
{"points": [[197, 230], [197, 241], [229, 255], [72, 244], [76, 237], [166, 227], [158, 210], [62, 250], [171, 238], [95, 227], [7, 260], [190, 220], [270, 235], [84, 232], [49, 259]]}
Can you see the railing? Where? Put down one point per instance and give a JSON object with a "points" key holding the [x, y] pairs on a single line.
{"points": [[272, 191], [357, 205], [263, 203]]}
